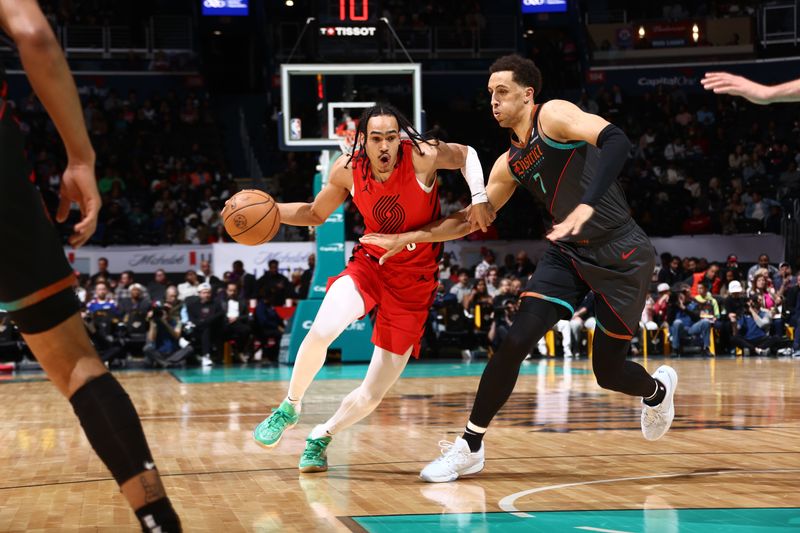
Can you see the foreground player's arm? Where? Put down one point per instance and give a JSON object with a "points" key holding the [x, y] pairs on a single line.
{"points": [[563, 121], [500, 188], [726, 83], [52, 81], [453, 156], [329, 198]]}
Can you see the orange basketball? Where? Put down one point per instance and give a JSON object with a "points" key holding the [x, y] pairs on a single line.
{"points": [[251, 217]]}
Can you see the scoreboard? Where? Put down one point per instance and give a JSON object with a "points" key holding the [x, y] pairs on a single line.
{"points": [[350, 12], [348, 26]]}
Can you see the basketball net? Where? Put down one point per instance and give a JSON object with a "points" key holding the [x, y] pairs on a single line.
{"points": [[347, 142]]}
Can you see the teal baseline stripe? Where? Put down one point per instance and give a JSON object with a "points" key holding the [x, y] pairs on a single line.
{"points": [[562, 146], [761, 520], [349, 371]]}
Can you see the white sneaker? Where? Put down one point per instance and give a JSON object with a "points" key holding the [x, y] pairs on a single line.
{"points": [[456, 461], [206, 361], [656, 420]]}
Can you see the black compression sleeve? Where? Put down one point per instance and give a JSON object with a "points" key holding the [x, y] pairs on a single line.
{"points": [[614, 147]]}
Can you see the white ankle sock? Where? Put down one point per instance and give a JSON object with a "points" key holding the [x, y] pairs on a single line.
{"points": [[297, 404], [319, 431], [475, 429]]}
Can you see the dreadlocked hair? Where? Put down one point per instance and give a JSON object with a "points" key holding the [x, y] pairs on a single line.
{"points": [[359, 154]]}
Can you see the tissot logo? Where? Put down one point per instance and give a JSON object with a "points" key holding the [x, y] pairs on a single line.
{"points": [[347, 31]]}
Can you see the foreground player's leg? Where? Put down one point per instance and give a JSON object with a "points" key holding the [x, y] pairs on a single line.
{"points": [[341, 306], [615, 372], [107, 415], [384, 370], [466, 455]]}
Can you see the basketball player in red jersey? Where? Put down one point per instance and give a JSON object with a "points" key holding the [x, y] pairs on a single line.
{"points": [[36, 279], [393, 184], [570, 160]]}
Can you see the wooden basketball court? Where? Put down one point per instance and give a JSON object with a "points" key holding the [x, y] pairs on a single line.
{"points": [[563, 455]]}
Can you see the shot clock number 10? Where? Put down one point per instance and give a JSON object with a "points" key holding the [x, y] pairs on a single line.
{"points": [[353, 10]]}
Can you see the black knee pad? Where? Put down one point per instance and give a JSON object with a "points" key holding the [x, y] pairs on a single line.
{"points": [[112, 426]]}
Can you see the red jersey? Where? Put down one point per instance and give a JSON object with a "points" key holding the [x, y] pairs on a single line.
{"points": [[398, 205]]}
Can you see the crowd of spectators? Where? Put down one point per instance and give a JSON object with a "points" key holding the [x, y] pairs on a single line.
{"points": [[754, 310], [108, 12], [698, 164], [160, 166], [190, 322], [704, 164], [694, 308]]}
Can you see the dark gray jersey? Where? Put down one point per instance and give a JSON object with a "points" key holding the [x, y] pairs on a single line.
{"points": [[559, 174]]}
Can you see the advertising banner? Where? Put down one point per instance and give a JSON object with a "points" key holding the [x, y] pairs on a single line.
{"points": [[294, 255], [636, 80]]}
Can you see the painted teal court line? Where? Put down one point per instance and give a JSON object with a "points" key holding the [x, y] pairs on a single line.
{"points": [[348, 371], [762, 520]]}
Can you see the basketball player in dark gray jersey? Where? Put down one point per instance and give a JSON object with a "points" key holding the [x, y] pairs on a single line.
{"points": [[570, 160]]}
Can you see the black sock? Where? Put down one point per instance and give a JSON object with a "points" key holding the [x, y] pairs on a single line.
{"points": [[159, 516], [473, 439], [658, 396]]}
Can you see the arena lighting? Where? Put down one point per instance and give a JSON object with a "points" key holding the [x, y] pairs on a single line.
{"points": [[695, 33], [641, 32], [217, 32], [289, 3]]}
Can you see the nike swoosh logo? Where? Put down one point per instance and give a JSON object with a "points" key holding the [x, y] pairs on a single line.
{"points": [[148, 465], [625, 256]]}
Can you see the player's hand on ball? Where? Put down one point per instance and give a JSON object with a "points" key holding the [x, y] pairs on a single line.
{"points": [[573, 224], [480, 216], [725, 83], [78, 184], [392, 243]]}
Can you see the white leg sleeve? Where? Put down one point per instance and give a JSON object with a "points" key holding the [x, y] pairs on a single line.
{"points": [[384, 369], [341, 306]]}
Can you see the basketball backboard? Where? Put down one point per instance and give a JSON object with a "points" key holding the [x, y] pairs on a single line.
{"points": [[320, 103]]}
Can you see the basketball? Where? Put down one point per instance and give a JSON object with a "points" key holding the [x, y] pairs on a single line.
{"points": [[251, 217]]}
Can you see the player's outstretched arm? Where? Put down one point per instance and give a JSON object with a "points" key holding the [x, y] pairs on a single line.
{"points": [[459, 156], [50, 77], [726, 83], [564, 121], [500, 188], [329, 198]]}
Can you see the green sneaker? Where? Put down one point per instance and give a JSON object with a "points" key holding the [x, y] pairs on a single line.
{"points": [[315, 456], [269, 432]]}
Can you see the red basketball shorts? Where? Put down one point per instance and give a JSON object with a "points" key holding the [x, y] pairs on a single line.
{"points": [[401, 298]]}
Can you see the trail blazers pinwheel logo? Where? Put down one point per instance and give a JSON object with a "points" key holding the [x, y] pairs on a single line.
{"points": [[389, 214]]}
